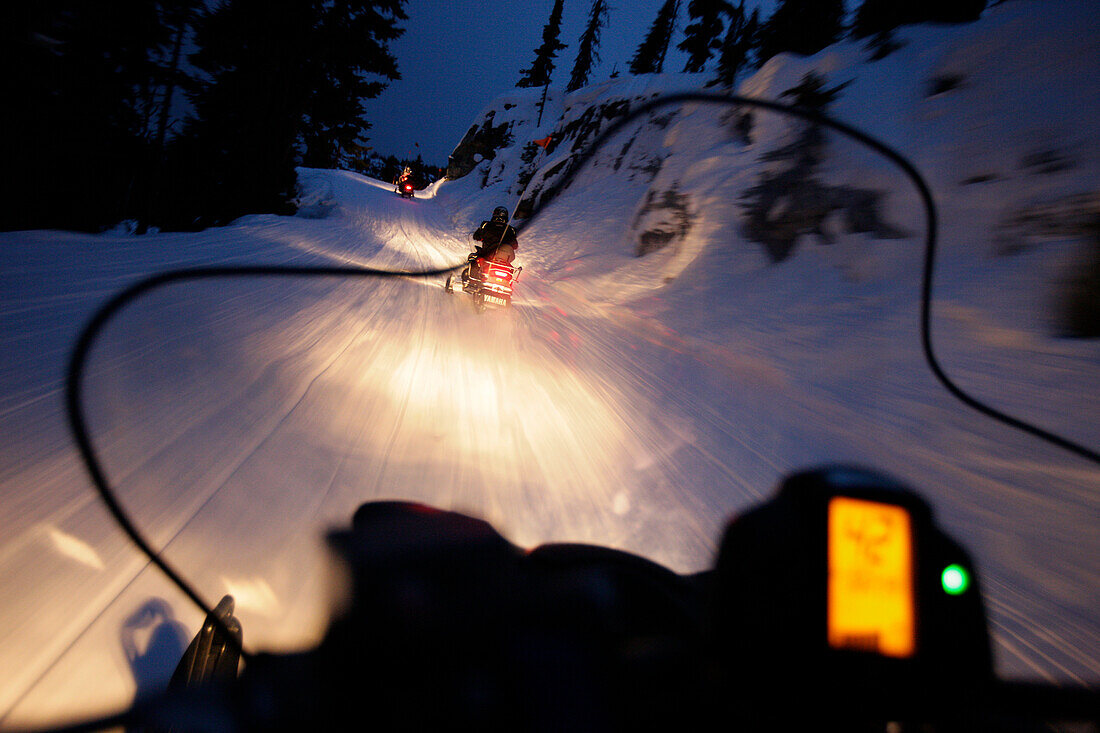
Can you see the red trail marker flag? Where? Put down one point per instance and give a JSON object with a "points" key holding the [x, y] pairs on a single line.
{"points": [[545, 142]]}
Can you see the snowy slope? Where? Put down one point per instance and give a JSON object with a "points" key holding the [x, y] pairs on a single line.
{"points": [[1003, 118], [631, 401], [63, 562], [1018, 89]]}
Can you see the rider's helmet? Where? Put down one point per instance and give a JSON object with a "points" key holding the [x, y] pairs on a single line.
{"points": [[500, 214]]}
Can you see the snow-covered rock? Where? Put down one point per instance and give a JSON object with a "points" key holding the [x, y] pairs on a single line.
{"points": [[999, 116]]}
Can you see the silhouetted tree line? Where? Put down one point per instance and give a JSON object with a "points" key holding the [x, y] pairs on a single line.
{"points": [[738, 38], [388, 167], [181, 114]]}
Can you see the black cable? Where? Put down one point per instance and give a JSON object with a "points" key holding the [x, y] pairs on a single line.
{"points": [[74, 389], [91, 331], [930, 234]]}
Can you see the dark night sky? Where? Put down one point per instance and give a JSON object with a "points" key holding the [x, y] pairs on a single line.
{"points": [[457, 55]]}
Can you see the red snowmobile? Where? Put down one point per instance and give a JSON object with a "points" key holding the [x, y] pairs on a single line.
{"points": [[489, 282]]}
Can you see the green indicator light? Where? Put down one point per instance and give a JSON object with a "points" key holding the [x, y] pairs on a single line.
{"points": [[955, 580]]}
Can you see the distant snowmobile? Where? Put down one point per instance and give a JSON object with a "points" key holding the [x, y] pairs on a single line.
{"points": [[405, 186]]}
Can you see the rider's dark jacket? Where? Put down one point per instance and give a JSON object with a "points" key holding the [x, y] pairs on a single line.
{"points": [[498, 241]]}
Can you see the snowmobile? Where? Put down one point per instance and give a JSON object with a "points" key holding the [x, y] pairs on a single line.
{"points": [[489, 282], [835, 600], [405, 189], [839, 591]]}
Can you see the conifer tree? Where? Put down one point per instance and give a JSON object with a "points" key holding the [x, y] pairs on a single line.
{"points": [[703, 37], [350, 62], [178, 18], [542, 68], [736, 47], [879, 17], [80, 104], [241, 139], [650, 56], [588, 46], [801, 26], [950, 11], [751, 39], [280, 74]]}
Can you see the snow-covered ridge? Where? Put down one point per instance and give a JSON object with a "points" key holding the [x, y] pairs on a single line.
{"points": [[1001, 116]]}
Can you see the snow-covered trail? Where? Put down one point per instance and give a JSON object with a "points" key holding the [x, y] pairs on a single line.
{"points": [[239, 419], [62, 561]]}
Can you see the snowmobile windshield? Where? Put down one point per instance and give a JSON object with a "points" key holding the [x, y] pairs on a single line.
{"points": [[718, 296]]}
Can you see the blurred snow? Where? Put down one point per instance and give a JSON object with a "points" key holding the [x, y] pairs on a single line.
{"points": [[630, 401]]}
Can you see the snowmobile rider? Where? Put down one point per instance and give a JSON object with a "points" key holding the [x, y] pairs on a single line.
{"points": [[498, 239]]}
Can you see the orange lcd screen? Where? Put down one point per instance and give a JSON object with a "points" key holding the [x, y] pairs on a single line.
{"points": [[870, 594]]}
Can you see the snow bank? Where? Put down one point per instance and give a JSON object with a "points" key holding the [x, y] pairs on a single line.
{"points": [[710, 227], [998, 115]]}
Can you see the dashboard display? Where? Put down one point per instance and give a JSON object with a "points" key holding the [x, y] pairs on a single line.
{"points": [[870, 584]]}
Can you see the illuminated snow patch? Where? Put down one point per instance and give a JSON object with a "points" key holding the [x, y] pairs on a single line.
{"points": [[75, 548]]}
